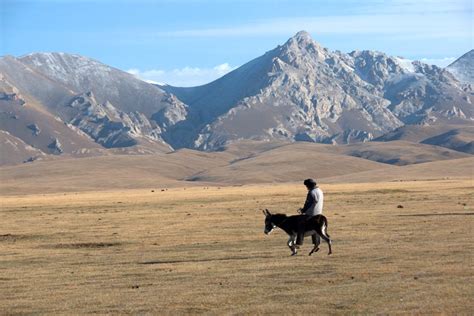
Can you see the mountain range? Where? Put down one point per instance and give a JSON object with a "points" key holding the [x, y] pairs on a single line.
{"points": [[57, 104]]}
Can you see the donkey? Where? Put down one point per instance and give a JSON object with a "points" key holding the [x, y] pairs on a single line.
{"points": [[315, 226]]}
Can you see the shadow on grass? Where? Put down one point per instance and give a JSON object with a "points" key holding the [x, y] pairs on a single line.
{"points": [[89, 245], [206, 260], [436, 214], [16, 237]]}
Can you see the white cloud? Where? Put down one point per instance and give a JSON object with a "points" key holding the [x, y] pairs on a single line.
{"points": [[182, 77]]}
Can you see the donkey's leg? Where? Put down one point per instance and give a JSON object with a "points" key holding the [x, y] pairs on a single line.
{"points": [[316, 243], [291, 245], [324, 235]]}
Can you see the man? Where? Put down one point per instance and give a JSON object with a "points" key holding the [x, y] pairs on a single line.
{"points": [[313, 206]]}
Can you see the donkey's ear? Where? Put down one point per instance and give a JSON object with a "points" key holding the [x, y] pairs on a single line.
{"points": [[268, 212]]}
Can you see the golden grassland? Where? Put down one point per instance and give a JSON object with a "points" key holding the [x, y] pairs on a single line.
{"points": [[202, 250]]}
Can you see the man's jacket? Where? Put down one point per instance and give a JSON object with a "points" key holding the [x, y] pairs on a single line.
{"points": [[314, 202]]}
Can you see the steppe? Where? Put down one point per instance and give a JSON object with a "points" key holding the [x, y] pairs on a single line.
{"points": [[403, 246]]}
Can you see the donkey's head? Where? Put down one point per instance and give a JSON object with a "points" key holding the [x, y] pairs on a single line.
{"points": [[269, 226]]}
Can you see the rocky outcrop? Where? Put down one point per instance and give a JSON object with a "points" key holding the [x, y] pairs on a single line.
{"points": [[12, 97], [348, 137], [34, 129], [55, 147], [175, 112], [109, 126]]}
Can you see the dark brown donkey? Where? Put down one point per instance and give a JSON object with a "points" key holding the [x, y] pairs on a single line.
{"points": [[314, 226]]}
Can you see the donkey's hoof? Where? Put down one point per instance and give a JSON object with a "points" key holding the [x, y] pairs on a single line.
{"points": [[329, 253], [314, 250], [293, 254]]}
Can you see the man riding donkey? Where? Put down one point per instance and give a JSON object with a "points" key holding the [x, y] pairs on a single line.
{"points": [[309, 222]]}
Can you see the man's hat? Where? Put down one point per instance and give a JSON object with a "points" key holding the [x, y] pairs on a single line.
{"points": [[309, 182]]}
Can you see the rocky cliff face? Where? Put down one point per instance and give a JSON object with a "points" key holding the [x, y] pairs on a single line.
{"points": [[109, 126], [30, 125], [93, 101]]}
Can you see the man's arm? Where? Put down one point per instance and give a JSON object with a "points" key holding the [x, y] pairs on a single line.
{"points": [[309, 201]]}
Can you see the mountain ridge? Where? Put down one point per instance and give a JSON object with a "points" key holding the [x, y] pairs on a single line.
{"points": [[326, 96], [298, 91]]}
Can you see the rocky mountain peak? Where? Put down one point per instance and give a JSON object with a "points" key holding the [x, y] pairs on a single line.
{"points": [[302, 40], [300, 47], [303, 36]]}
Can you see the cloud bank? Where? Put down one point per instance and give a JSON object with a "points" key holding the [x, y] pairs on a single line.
{"points": [[182, 77]]}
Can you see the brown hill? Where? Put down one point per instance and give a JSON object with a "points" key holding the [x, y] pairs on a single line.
{"points": [[456, 137], [241, 163], [460, 139], [457, 168], [250, 162], [291, 162], [399, 152], [105, 173]]}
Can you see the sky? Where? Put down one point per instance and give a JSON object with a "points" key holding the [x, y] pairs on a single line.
{"points": [[192, 42]]}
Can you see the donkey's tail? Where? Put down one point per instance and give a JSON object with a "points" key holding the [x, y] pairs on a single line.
{"points": [[325, 226], [325, 234]]}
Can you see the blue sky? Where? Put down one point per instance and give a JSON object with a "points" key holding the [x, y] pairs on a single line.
{"points": [[190, 42]]}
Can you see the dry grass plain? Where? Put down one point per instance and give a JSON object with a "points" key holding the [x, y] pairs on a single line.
{"points": [[202, 250]]}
